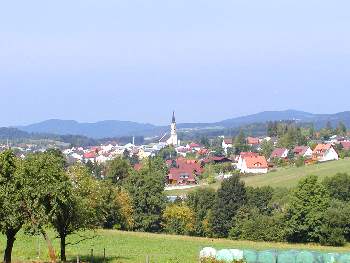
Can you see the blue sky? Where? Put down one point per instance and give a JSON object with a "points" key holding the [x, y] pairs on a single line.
{"points": [[93, 60]]}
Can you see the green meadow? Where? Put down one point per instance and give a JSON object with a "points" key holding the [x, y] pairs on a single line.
{"points": [[136, 247], [286, 177]]}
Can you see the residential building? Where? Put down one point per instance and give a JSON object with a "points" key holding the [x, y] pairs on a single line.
{"points": [[254, 165], [302, 151], [324, 153]]}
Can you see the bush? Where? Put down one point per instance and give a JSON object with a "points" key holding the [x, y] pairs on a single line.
{"points": [[178, 219], [249, 224]]}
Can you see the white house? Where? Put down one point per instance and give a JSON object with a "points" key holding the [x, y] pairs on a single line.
{"points": [[324, 153], [242, 156], [254, 165]]}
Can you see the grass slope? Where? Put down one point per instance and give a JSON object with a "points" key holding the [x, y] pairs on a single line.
{"points": [[287, 177], [135, 247]]}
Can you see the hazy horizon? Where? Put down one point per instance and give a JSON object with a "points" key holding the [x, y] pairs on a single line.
{"points": [[137, 61]]}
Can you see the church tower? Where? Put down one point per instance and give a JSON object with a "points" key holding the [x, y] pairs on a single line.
{"points": [[173, 134]]}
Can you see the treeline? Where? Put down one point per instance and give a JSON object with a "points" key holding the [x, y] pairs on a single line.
{"points": [[17, 136], [315, 211]]}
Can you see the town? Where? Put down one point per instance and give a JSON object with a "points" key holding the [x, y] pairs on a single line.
{"points": [[188, 162]]}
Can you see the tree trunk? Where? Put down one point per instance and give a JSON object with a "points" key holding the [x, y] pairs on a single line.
{"points": [[52, 252], [63, 248], [10, 240]]}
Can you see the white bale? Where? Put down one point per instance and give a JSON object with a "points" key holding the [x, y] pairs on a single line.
{"points": [[237, 254], [207, 252]]}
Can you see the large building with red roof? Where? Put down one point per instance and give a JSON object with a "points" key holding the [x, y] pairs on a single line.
{"points": [[183, 171]]}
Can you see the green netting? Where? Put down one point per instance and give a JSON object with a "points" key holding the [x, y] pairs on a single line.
{"points": [[287, 256], [329, 258], [344, 258], [267, 256], [277, 256], [307, 257], [250, 256]]}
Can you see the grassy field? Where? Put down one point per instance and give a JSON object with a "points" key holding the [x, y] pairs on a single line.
{"points": [[135, 247], [288, 177]]}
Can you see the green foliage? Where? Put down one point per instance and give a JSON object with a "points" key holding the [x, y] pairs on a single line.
{"points": [[336, 229], [230, 197], [300, 161], [205, 142], [116, 208], [267, 148], [250, 224], [341, 129], [240, 143], [46, 186], [95, 169], [305, 213], [167, 153], [178, 219], [201, 202], [338, 186], [118, 170], [260, 198], [146, 189], [11, 199], [77, 211]]}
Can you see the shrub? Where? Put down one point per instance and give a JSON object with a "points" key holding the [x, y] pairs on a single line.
{"points": [[178, 219]]}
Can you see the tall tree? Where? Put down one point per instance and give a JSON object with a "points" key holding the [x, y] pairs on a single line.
{"points": [[338, 186], [230, 197], [201, 202], [146, 188], [11, 217], [267, 148], [304, 217], [240, 143], [118, 170], [341, 129], [78, 210], [46, 184]]}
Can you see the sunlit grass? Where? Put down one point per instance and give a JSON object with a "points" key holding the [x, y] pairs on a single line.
{"points": [[135, 247], [286, 177]]}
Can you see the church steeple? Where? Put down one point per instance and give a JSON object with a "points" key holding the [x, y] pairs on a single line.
{"points": [[173, 119]]}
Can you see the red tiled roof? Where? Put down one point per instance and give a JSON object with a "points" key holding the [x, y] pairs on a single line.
{"points": [[89, 155], [256, 162], [300, 150], [253, 141], [321, 148], [277, 153]]}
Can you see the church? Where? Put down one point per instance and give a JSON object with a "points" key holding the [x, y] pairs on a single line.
{"points": [[172, 139]]}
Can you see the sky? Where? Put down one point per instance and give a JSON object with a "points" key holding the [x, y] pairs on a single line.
{"points": [[137, 60]]}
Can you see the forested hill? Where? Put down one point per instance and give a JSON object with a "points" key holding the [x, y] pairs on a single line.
{"points": [[113, 128]]}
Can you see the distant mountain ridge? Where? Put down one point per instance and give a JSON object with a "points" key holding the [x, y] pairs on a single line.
{"points": [[101, 129], [114, 128]]}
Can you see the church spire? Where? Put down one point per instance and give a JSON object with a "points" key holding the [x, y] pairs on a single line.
{"points": [[173, 119]]}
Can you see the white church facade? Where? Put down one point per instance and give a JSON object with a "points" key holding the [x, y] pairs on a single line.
{"points": [[172, 139]]}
